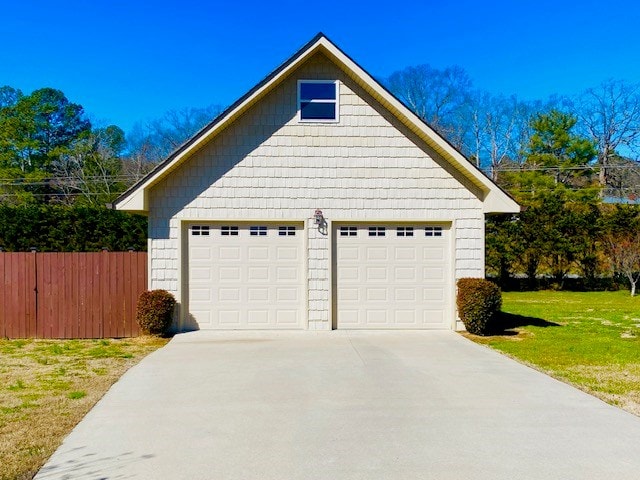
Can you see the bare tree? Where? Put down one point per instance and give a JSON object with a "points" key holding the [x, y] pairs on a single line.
{"points": [[623, 178], [156, 139], [139, 162], [624, 252], [436, 96], [497, 130], [473, 113], [610, 115], [92, 168]]}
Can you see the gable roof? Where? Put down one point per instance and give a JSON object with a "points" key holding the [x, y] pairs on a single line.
{"points": [[135, 199]]}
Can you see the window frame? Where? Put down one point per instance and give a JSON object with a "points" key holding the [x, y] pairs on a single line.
{"points": [[200, 230], [287, 231], [311, 100], [348, 231], [377, 230], [403, 231], [229, 230], [258, 230], [433, 231]]}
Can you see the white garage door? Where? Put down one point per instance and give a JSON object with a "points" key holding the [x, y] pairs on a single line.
{"points": [[392, 276], [246, 276]]}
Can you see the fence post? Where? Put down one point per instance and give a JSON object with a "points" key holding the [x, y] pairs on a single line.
{"points": [[36, 315]]}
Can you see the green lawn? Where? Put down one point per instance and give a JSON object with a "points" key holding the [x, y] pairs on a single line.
{"points": [[47, 386], [589, 339]]}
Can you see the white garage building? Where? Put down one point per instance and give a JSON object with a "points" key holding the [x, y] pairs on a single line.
{"points": [[316, 201]]}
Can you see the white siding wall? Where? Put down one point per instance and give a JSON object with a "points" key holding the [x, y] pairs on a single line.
{"points": [[268, 166]]}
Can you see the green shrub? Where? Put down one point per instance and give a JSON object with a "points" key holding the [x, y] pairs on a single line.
{"points": [[479, 302], [59, 228], [154, 312]]}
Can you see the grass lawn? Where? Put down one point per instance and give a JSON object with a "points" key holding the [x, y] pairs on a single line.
{"points": [[47, 386], [588, 339]]}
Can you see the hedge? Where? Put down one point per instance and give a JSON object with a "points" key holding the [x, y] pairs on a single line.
{"points": [[59, 228]]}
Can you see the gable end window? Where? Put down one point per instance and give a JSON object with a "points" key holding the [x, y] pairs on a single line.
{"points": [[318, 100]]}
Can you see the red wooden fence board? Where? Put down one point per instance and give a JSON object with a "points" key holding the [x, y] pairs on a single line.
{"points": [[70, 295], [17, 308], [3, 302]]}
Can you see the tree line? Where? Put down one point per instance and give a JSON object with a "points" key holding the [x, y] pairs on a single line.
{"points": [[494, 131], [51, 153]]}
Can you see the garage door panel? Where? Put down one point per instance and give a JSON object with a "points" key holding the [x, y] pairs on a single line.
{"points": [[204, 317], [405, 294], [201, 253], [229, 253], [433, 274], [258, 317], [247, 277], [201, 273], [377, 253], [349, 318], [433, 294], [392, 276], [433, 253], [377, 274], [257, 294], [348, 253], [258, 253], [376, 317], [433, 317], [377, 294], [346, 274], [287, 317], [287, 253], [288, 274], [405, 274], [229, 274], [287, 295], [258, 274], [226, 294], [202, 294], [229, 318], [350, 294], [405, 318], [405, 253]]}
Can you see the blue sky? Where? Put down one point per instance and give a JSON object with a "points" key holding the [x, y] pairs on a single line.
{"points": [[129, 61]]}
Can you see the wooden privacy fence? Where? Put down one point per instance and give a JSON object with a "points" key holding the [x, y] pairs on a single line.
{"points": [[70, 295]]}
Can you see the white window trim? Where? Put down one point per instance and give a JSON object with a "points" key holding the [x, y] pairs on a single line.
{"points": [[337, 102]]}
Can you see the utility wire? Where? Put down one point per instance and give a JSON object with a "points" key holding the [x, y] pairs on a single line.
{"points": [[134, 177]]}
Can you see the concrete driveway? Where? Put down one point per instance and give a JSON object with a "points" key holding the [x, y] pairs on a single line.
{"points": [[411, 405]]}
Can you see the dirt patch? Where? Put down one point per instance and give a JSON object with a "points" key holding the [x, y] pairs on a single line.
{"points": [[612, 383]]}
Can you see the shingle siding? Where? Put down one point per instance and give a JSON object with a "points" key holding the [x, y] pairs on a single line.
{"points": [[267, 165]]}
